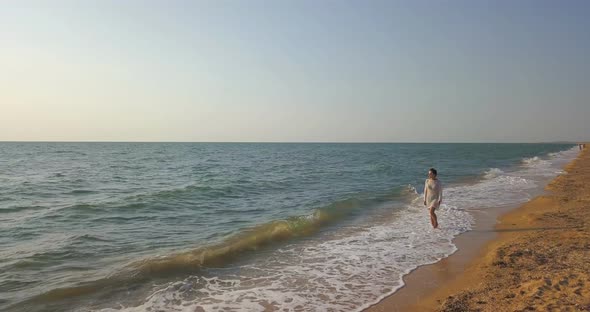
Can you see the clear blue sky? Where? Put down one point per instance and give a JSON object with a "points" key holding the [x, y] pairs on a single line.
{"points": [[354, 71]]}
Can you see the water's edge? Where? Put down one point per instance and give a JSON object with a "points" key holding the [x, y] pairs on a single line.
{"points": [[425, 279]]}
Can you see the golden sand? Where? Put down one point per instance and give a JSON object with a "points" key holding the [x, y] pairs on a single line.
{"points": [[539, 261]]}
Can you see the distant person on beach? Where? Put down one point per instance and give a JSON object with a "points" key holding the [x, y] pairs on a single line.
{"points": [[580, 146], [432, 195]]}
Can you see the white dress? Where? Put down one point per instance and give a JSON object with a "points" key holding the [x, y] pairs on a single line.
{"points": [[432, 192]]}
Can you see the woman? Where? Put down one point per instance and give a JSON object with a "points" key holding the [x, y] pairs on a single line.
{"points": [[432, 195]]}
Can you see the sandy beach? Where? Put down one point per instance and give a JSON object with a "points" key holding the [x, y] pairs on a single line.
{"points": [[535, 258]]}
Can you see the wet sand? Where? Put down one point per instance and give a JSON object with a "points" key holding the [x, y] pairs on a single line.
{"points": [[536, 258]]}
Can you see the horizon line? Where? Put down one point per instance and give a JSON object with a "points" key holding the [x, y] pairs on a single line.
{"points": [[308, 142]]}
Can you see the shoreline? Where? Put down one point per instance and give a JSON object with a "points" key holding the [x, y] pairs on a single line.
{"points": [[423, 281], [429, 286]]}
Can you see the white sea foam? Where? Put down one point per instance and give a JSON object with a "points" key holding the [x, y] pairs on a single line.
{"points": [[350, 268]]}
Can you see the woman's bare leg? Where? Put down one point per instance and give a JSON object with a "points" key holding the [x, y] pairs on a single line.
{"points": [[433, 219]]}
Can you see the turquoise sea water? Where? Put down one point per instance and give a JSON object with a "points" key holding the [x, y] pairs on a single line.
{"points": [[252, 226]]}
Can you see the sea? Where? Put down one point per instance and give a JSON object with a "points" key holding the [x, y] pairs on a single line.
{"points": [[241, 226]]}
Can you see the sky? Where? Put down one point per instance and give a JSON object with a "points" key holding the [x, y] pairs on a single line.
{"points": [[295, 71]]}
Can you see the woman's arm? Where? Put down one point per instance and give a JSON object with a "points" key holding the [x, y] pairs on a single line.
{"points": [[425, 191], [440, 193]]}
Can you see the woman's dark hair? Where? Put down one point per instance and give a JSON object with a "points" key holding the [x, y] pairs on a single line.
{"points": [[433, 171]]}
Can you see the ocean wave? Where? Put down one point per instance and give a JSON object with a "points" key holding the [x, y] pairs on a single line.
{"points": [[410, 189], [251, 239], [535, 161], [82, 192], [492, 173], [69, 152], [12, 209], [565, 153], [544, 167]]}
